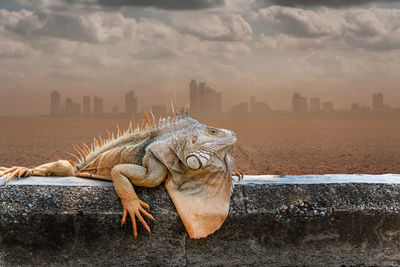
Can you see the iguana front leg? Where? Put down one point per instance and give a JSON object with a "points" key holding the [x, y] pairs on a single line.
{"points": [[124, 175]]}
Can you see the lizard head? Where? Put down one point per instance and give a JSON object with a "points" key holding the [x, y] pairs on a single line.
{"points": [[205, 142], [199, 182]]}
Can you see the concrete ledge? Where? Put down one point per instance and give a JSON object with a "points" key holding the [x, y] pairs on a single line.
{"points": [[302, 220]]}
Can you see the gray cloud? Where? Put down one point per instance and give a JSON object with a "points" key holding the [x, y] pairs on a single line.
{"points": [[327, 3], [13, 49], [227, 27], [372, 29], [63, 27], [91, 28], [159, 4], [298, 22]]}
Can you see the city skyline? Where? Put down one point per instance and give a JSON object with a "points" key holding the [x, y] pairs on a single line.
{"points": [[269, 49], [183, 98], [203, 100], [70, 108]]}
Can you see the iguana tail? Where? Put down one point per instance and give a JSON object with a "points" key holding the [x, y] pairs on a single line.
{"points": [[56, 168]]}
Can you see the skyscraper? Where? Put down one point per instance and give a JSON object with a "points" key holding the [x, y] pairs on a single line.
{"points": [[72, 108], [377, 101], [202, 97], [86, 105], [98, 105], [68, 107], [299, 103], [258, 107], [130, 103], [55, 102], [193, 96]]}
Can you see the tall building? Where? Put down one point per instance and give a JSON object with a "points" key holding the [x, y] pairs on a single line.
{"points": [[98, 105], [327, 106], [86, 105], [299, 103], [377, 101], [72, 108], [204, 99], [193, 96], [213, 101], [258, 107], [55, 103], [68, 106], [130, 103], [315, 104]]}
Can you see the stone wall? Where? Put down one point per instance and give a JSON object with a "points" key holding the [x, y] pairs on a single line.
{"points": [[269, 223]]}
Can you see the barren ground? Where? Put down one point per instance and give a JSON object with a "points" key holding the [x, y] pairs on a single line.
{"points": [[274, 144]]}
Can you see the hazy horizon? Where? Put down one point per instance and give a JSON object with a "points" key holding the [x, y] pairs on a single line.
{"points": [[340, 51]]}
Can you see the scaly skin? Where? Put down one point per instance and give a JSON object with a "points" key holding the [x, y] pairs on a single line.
{"points": [[193, 160]]}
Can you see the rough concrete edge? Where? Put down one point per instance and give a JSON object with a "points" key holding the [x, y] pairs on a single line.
{"points": [[248, 179]]}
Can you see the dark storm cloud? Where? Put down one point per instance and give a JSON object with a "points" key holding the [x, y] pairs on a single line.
{"points": [[57, 26], [164, 4], [373, 29], [159, 4], [327, 3]]}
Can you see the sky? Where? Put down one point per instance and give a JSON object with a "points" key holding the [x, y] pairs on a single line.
{"points": [[339, 50]]}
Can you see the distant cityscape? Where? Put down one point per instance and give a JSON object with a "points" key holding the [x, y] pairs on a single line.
{"points": [[300, 104], [74, 109], [203, 100]]}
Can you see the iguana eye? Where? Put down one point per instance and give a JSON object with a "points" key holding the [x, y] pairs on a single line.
{"points": [[213, 131]]}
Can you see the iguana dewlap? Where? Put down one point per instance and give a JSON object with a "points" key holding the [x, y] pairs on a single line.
{"points": [[192, 159]]}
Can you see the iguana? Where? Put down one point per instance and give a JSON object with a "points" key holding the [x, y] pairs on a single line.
{"points": [[192, 159]]}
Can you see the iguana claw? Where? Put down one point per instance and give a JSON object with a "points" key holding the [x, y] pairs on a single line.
{"points": [[15, 171], [134, 207], [238, 174]]}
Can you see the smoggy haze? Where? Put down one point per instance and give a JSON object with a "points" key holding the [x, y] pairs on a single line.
{"points": [[344, 51]]}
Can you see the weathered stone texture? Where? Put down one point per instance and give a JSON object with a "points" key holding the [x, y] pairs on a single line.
{"points": [[281, 224]]}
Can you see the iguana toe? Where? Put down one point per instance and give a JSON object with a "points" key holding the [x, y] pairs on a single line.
{"points": [[135, 207], [238, 173], [15, 171]]}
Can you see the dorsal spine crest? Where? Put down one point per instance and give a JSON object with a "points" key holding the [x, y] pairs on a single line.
{"points": [[87, 153]]}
